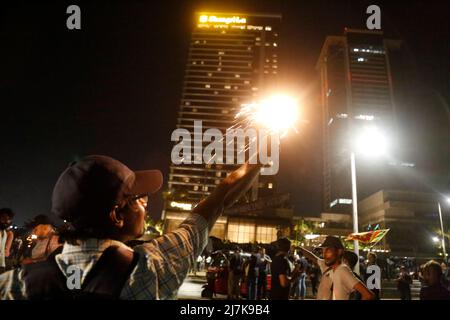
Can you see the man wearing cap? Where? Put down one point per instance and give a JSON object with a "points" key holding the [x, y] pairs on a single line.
{"points": [[105, 203], [338, 281]]}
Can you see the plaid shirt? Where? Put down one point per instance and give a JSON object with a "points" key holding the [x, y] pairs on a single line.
{"points": [[162, 267]]}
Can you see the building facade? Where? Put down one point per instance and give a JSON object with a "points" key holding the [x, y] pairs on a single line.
{"points": [[356, 91], [413, 220]]}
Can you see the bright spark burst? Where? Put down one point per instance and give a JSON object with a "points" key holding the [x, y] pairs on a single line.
{"points": [[278, 114]]}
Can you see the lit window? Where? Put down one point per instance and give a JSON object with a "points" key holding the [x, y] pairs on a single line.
{"points": [[218, 173], [217, 181], [207, 86], [194, 110], [221, 52], [266, 234], [216, 92], [195, 188], [219, 69], [209, 74], [185, 179], [275, 44], [194, 62], [227, 87], [237, 75], [205, 188], [361, 59], [268, 28], [270, 185], [246, 82], [241, 232]]}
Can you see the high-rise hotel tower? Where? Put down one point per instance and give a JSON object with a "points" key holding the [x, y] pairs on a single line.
{"points": [[232, 59]]}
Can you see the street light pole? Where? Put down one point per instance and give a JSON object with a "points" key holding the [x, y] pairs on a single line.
{"points": [[442, 231], [355, 206]]}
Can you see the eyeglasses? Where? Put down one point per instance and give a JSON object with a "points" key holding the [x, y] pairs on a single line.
{"points": [[134, 200]]}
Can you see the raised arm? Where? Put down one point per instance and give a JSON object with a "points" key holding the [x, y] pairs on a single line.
{"points": [[309, 255], [173, 254]]}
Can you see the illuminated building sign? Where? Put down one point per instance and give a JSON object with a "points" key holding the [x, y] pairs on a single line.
{"points": [[225, 20], [182, 206]]}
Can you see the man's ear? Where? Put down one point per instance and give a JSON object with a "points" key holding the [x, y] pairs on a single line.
{"points": [[116, 217]]}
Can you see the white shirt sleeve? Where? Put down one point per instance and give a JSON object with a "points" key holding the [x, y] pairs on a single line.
{"points": [[322, 265], [343, 282]]}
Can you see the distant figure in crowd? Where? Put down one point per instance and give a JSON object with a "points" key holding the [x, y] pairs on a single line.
{"points": [[433, 288], [282, 276], [6, 236], [314, 276], [264, 270], [302, 267], [371, 261], [106, 202], [445, 275], [251, 276], [338, 281], [46, 242], [404, 282], [235, 272]]}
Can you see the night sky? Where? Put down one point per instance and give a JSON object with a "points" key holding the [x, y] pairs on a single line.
{"points": [[114, 86]]}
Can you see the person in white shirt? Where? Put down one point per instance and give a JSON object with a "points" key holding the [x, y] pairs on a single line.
{"points": [[338, 281], [6, 236]]}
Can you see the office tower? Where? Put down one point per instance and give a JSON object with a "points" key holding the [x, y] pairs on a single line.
{"points": [[356, 92]]}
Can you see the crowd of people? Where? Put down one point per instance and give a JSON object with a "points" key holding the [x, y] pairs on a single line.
{"points": [[292, 270], [104, 204]]}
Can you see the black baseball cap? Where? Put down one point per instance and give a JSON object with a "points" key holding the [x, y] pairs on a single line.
{"points": [[332, 242], [94, 185]]}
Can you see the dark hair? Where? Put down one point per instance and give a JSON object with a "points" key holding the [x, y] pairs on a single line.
{"points": [[37, 220], [433, 266], [283, 244], [7, 211], [351, 258], [372, 254]]}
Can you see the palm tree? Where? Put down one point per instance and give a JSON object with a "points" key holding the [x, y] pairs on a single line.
{"points": [[300, 230]]}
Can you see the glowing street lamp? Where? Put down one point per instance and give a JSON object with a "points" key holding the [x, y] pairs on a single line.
{"points": [[444, 251], [371, 142]]}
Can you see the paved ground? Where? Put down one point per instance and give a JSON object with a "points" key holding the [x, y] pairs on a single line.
{"points": [[192, 287]]}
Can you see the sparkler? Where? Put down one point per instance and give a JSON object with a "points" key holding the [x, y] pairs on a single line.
{"points": [[277, 114]]}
